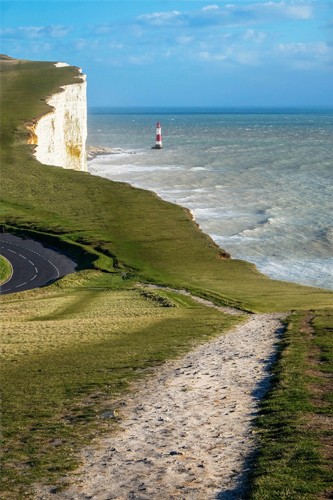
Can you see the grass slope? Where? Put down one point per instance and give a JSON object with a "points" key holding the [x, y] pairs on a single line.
{"points": [[69, 355], [156, 239], [70, 351]]}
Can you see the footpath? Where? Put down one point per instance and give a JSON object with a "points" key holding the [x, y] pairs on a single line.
{"points": [[186, 432]]}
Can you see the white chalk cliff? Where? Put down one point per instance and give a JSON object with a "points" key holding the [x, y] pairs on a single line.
{"points": [[60, 135]]}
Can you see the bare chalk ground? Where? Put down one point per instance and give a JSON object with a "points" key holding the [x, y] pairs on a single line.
{"points": [[186, 433]]}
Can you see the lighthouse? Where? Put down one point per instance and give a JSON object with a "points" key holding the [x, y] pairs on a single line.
{"points": [[158, 142]]}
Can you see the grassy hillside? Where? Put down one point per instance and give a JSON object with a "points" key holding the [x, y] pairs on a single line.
{"points": [[72, 350], [69, 355], [155, 239]]}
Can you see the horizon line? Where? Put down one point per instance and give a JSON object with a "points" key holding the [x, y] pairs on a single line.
{"points": [[210, 109]]}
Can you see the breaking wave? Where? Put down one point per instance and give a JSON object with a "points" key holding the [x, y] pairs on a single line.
{"points": [[248, 179]]}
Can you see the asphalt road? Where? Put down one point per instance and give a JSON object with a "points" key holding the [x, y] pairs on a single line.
{"points": [[34, 265]]}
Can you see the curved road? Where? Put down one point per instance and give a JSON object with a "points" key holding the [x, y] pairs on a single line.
{"points": [[33, 264]]}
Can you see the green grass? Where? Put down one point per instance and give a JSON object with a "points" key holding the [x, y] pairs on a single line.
{"points": [[5, 269], [132, 228], [71, 351], [69, 355], [295, 425]]}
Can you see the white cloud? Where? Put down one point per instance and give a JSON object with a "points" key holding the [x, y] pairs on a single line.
{"points": [[58, 31], [33, 32], [293, 9], [103, 29], [236, 14], [302, 11], [210, 7], [310, 49], [205, 55], [306, 55], [161, 18]]}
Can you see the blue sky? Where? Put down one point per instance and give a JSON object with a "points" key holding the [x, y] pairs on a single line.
{"points": [[182, 53]]}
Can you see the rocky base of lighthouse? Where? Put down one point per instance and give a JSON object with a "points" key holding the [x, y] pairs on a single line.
{"points": [[157, 147]]}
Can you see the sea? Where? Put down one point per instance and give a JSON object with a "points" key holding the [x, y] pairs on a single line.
{"points": [[258, 181]]}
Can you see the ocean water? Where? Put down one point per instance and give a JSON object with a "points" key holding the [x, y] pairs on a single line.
{"points": [[259, 182]]}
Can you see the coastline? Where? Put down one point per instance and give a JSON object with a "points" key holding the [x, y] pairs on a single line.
{"points": [[103, 152], [248, 178]]}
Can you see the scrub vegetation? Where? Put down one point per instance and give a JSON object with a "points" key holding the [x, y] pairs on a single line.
{"points": [[71, 348]]}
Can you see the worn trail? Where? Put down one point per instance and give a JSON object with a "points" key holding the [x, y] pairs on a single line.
{"points": [[186, 431]]}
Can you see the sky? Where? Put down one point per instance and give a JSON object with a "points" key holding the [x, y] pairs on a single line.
{"points": [[233, 53]]}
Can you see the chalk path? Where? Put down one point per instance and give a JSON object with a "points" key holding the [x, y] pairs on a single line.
{"points": [[186, 432]]}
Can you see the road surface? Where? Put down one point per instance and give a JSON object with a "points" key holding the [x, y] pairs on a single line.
{"points": [[33, 264]]}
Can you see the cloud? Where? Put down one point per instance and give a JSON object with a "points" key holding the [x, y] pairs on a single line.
{"points": [[306, 55], [295, 11], [303, 48], [231, 14], [172, 18], [232, 55], [207, 56], [242, 33], [271, 11], [210, 7], [34, 32]]}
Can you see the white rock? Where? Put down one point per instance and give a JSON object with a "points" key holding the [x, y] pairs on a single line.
{"points": [[61, 64], [60, 135]]}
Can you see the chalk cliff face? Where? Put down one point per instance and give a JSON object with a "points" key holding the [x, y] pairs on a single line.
{"points": [[60, 135]]}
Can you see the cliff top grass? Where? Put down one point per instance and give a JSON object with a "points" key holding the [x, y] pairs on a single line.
{"points": [[25, 85], [72, 350], [156, 240]]}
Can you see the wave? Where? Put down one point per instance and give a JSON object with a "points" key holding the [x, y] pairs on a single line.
{"points": [[259, 185]]}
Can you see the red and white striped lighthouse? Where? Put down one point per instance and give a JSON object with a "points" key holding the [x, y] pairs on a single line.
{"points": [[158, 142]]}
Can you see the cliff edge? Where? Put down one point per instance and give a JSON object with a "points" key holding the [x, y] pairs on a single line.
{"points": [[60, 135]]}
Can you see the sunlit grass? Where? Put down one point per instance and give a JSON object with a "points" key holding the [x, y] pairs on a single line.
{"points": [[70, 351], [5, 269], [125, 228], [69, 354]]}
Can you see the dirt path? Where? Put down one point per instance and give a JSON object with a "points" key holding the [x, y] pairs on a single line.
{"points": [[186, 432]]}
